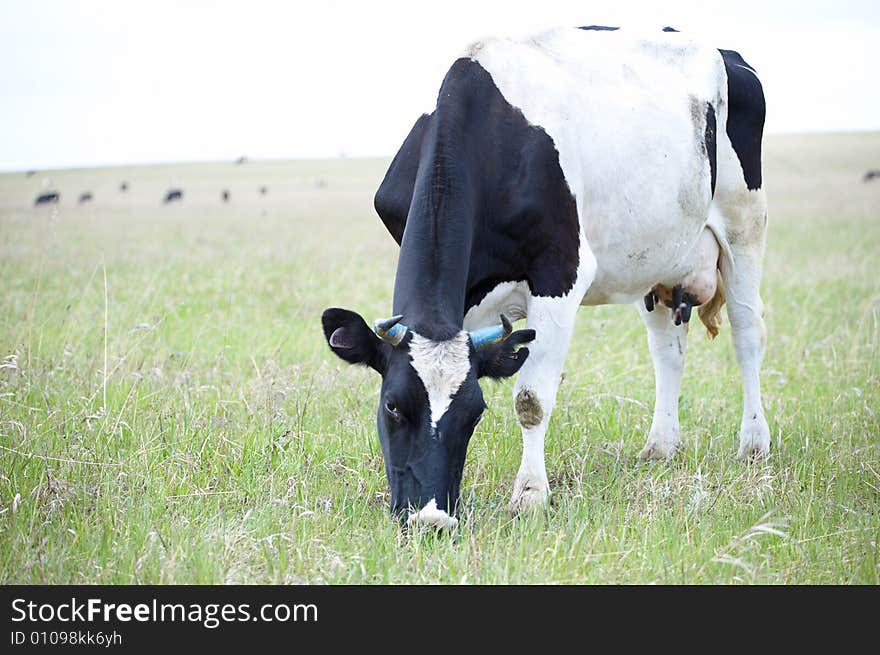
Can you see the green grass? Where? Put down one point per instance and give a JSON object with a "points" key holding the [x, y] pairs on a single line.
{"points": [[170, 413]]}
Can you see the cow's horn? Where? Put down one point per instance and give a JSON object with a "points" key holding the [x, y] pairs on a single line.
{"points": [[390, 329], [489, 335]]}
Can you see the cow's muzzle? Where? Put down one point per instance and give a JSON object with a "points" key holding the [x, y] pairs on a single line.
{"points": [[433, 516]]}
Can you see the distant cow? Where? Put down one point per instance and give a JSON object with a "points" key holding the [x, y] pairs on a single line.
{"points": [[173, 194], [31, 173], [263, 190], [47, 197], [241, 160], [85, 196], [224, 195], [123, 187], [873, 174]]}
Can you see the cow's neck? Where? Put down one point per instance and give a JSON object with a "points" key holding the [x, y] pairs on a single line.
{"points": [[432, 270]]}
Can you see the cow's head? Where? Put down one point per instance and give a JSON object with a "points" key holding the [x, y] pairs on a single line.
{"points": [[429, 404]]}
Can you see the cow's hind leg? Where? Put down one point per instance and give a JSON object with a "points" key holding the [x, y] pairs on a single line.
{"points": [[746, 313], [744, 215], [667, 343], [535, 394], [740, 198]]}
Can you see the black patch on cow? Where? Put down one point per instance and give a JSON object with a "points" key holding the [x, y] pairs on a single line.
{"points": [[745, 115], [476, 197], [669, 29], [711, 146]]}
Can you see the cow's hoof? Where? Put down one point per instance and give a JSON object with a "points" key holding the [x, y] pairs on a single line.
{"points": [[658, 449], [662, 442], [529, 494], [754, 438]]}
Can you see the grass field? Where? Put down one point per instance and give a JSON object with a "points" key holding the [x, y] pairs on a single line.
{"points": [[170, 413]]}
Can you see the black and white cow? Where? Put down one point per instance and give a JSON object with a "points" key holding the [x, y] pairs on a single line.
{"points": [[575, 167]]}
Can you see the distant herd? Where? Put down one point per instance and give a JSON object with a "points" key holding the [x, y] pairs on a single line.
{"points": [[171, 195], [175, 194]]}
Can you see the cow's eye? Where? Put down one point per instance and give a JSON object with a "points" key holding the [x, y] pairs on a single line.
{"points": [[392, 411]]}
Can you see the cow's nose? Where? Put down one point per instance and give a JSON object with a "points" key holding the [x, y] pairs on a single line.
{"points": [[431, 515]]}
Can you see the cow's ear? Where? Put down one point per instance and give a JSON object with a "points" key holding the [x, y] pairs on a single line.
{"points": [[501, 360], [349, 336]]}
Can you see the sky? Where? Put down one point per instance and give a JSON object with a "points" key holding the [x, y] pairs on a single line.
{"points": [[100, 82]]}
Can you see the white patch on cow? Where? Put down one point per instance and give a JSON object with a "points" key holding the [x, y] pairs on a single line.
{"points": [[442, 366], [430, 514], [508, 298]]}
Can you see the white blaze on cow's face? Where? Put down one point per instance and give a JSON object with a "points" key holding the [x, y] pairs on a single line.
{"points": [[442, 367]]}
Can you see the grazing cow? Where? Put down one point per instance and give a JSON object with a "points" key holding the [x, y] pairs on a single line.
{"points": [[224, 195], [30, 173], [241, 160], [84, 197], [47, 197], [172, 195], [574, 167], [871, 175], [123, 187]]}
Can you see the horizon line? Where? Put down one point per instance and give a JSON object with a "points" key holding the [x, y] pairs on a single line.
{"points": [[235, 160]]}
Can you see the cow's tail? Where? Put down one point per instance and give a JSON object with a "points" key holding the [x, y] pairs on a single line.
{"points": [[710, 312]]}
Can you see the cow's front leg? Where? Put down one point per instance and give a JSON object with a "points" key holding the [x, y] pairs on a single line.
{"points": [[667, 343], [535, 394]]}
